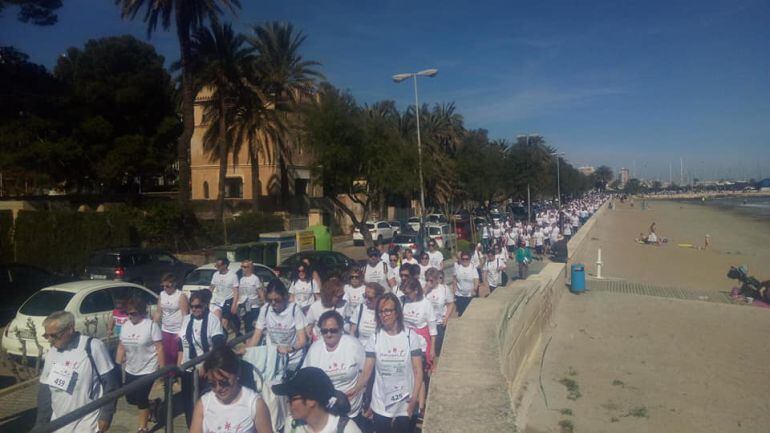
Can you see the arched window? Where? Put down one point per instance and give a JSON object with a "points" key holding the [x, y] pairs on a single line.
{"points": [[205, 190]]}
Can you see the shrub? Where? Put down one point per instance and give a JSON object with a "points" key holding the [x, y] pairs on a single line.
{"points": [[463, 245], [6, 244]]}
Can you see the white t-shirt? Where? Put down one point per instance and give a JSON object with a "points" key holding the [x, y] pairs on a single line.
{"points": [[74, 383], [343, 366], [393, 374], [213, 328], [354, 296], [411, 261], [236, 417], [436, 259], [476, 259], [366, 321], [376, 274], [139, 341], [393, 274], [439, 298], [248, 290], [314, 313], [567, 230], [494, 268], [419, 314], [331, 426], [282, 327], [554, 235], [423, 269], [303, 292], [538, 237], [510, 238], [171, 314], [224, 286], [464, 275]]}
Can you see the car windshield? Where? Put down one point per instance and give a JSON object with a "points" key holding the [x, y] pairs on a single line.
{"points": [[46, 302], [199, 277], [369, 226], [403, 239], [104, 260], [414, 220], [434, 230]]}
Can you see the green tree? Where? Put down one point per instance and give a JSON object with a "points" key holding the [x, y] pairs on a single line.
{"points": [[219, 62], [603, 176], [286, 78], [37, 12], [633, 186], [188, 16]]}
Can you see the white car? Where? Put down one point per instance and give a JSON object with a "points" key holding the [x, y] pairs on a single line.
{"points": [[91, 301], [442, 234], [414, 223], [200, 278], [381, 231]]}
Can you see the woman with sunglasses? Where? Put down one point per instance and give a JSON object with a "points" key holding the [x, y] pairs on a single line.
{"points": [[332, 299], [394, 356], [420, 318], [408, 257], [424, 266], [342, 358], [466, 284], [375, 271], [174, 306], [394, 263], [201, 332], [251, 296], [442, 300], [282, 322], [354, 292], [229, 407], [140, 350], [304, 289], [363, 321]]}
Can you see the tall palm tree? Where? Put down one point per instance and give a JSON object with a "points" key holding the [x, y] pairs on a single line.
{"points": [[188, 15], [219, 60], [287, 78]]}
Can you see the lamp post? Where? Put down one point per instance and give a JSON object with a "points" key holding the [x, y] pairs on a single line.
{"points": [[558, 156], [399, 78]]}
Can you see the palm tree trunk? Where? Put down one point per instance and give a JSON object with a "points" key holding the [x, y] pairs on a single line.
{"points": [[223, 148], [254, 157], [188, 102]]}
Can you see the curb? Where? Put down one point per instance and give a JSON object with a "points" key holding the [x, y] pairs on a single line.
{"points": [[21, 385]]}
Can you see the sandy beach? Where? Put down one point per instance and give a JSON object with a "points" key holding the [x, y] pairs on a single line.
{"points": [[736, 239]]}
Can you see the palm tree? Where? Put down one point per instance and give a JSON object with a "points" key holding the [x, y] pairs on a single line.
{"points": [[286, 77], [188, 15], [218, 62]]}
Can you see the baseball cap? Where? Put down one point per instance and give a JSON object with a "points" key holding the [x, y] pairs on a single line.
{"points": [[309, 382], [372, 251]]}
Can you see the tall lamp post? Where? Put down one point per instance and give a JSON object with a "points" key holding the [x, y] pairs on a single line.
{"points": [[558, 156], [399, 78]]}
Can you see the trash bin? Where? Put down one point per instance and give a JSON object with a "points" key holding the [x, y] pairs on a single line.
{"points": [[323, 238], [578, 278], [270, 254], [257, 252]]}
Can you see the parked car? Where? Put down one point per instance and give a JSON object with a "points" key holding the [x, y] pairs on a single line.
{"points": [[436, 218], [143, 266], [396, 226], [406, 241], [327, 263], [414, 223], [200, 278], [91, 302], [18, 282], [381, 232], [443, 235]]}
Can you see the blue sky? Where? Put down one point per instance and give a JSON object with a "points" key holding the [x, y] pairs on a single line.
{"points": [[622, 83]]}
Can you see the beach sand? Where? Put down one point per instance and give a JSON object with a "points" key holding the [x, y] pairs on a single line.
{"points": [[657, 364], [735, 240]]}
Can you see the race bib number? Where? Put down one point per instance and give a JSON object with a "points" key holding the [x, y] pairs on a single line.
{"points": [[395, 395], [62, 378]]}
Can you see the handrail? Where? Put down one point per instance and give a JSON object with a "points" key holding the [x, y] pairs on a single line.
{"points": [[123, 390]]}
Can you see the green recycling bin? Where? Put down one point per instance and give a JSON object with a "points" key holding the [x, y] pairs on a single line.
{"points": [[269, 254], [323, 238]]}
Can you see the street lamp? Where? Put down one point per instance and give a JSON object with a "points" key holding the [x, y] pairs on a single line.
{"points": [[558, 156], [399, 78]]}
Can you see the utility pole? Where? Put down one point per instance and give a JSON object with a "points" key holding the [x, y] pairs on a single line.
{"points": [[670, 179], [681, 171]]}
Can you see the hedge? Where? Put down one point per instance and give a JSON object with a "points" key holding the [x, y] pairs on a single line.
{"points": [[6, 244]]}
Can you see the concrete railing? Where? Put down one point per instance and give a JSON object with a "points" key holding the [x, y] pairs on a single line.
{"points": [[480, 380]]}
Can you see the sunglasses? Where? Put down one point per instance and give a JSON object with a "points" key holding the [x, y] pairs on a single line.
{"points": [[196, 306], [387, 311], [355, 277], [224, 383], [325, 331], [300, 271], [405, 275], [54, 336], [275, 300], [133, 313]]}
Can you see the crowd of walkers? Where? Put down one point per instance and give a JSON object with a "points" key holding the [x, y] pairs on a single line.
{"points": [[349, 353]]}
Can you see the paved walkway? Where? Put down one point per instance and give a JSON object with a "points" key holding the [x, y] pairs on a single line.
{"points": [[646, 289]]}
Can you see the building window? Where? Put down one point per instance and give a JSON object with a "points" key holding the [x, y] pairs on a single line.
{"points": [[205, 190], [233, 187]]}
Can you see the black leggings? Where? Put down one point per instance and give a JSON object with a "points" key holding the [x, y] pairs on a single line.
{"points": [[462, 303], [399, 424], [138, 397]]}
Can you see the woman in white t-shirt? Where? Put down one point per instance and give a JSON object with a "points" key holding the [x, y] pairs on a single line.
{"points": [[493, 270], [332, 294], [408, 257], [363, 321], [424, 266], [173, 306], [250, 294], [282, 322], [466, 284], [304, 289], [315, 405], [443, 301], [140, 350], [342, 358], [394, 356], [394, 263], [229, 407], [420, 318], [354, 292]]}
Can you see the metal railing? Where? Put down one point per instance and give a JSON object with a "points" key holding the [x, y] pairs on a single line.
{"points": [[143, 382]]}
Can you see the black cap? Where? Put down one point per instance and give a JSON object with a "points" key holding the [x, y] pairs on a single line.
{"points": [[309, 382], [372, 251]]}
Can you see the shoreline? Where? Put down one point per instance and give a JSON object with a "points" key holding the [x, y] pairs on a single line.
{"points": [[705, 194]]}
